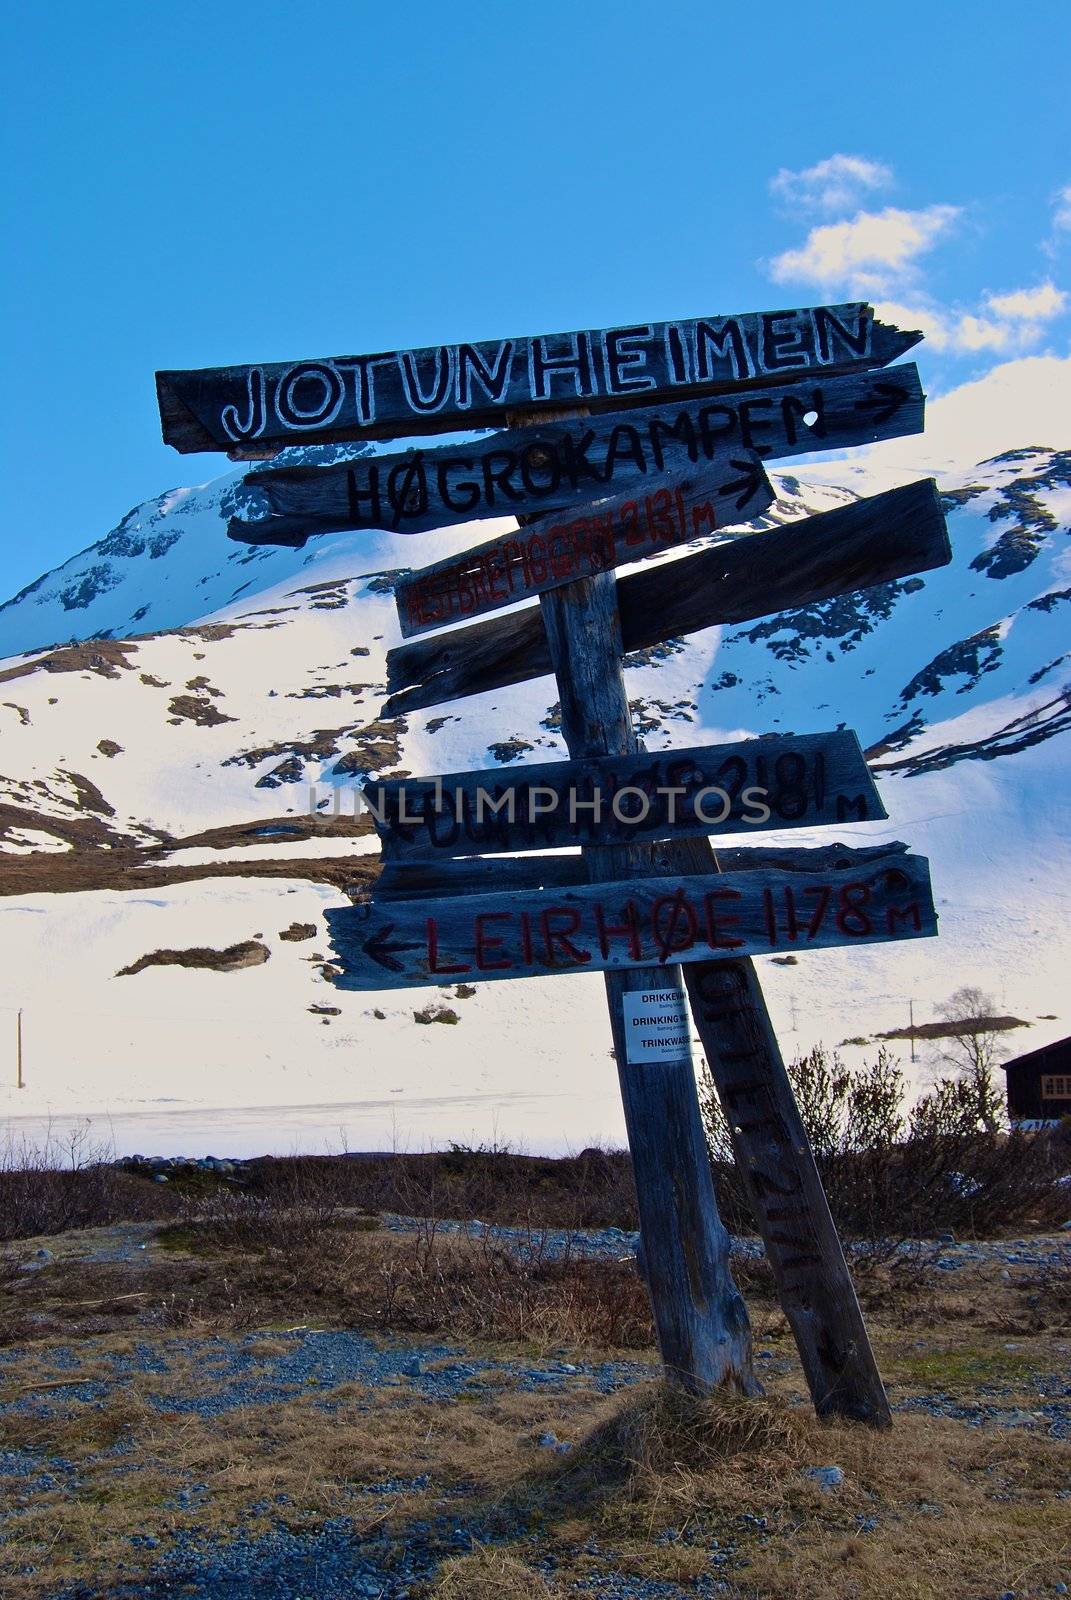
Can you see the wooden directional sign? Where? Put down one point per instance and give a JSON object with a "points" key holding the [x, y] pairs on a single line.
{"points": [[788, 781], [431, 879], [608, 534], [570, 462], [639, 922], [854, 547], [450, 388]]}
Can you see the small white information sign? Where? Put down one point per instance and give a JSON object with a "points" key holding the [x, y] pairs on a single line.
{"points": [[657, 1026]]}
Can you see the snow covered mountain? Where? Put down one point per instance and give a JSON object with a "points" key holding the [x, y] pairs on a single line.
{"points": [[170, 699]]}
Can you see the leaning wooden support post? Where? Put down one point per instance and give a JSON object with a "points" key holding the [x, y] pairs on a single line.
{"points": [[774, 1159], [700, 1317]]}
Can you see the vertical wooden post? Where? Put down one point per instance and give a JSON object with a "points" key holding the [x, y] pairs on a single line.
{"points": [[18, 1051], [701, 1320]]}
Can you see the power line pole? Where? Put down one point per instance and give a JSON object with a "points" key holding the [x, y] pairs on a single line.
{"points": [[18, 1051]]}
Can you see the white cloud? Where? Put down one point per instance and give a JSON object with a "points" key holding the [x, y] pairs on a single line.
{"points": [[1014, 326], [1033, 305], [869, 254], [932, 324], [1061, 217], [979, 333], [1017, 403], [831, 185]]}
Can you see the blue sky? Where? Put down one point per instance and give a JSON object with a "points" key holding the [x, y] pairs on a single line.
{"points": [[196, 184]]}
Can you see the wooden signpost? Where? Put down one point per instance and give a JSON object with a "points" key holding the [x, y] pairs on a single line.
{"points": [[644, 900], [635, 922], [573, 461], [611, 533], [787, 781], [451, 387], [872, 541]]}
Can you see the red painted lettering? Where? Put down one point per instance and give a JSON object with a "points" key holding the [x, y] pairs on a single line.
{"points": [[770, 915], [569, 922], [851, 918], [895, 914], [716, 925], [433, 952], [821, 895], [703, 518], [486, 943], [630, 927]]}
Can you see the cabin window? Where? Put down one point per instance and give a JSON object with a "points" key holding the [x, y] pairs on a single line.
{"points": [[1056, 1086]]}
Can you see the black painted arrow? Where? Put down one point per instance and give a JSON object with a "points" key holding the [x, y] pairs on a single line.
{"points": [[751, 480], [885, 401], [382, 951]]}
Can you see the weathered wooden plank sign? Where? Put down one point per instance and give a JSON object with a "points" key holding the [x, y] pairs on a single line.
{"points": [[431, 879], [872, 541], [554, 551], [447, 388], [786, 781], [639, 922], [552, 465]]}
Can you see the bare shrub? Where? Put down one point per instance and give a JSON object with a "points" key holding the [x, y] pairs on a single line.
{"points": [[973, 1049], [68, 1182], [892, 1175]]}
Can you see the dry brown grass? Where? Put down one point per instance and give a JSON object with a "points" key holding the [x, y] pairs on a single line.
{"points": [[489, 1575], [934, 1509]]}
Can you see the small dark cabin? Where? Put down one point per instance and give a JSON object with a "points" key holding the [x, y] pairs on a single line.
{"points": [[1039, 1084]]}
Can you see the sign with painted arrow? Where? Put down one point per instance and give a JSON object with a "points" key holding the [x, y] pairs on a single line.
{"points": [[573, 461], [751, 785], [556, 550], [257, 410], [639, 922]]}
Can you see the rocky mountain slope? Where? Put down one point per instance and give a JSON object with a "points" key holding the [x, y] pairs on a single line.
{"points": [[187, 719]]}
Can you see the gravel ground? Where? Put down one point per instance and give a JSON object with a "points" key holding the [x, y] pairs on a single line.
{"points": [[616, 1243], [338, 1559]]}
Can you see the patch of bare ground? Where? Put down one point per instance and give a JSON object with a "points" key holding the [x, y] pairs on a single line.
{"points": [[196, 708], [372, 747], [654, 1486], [951, 1030], [106, 858], [103, 656], [247, 953], [35, 873], [83, 833]]}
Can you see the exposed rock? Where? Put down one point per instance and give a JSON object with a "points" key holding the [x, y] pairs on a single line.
{"points": [[436, 1014], [511, 749], [249, 953], [196, 708], [103, 656]]}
